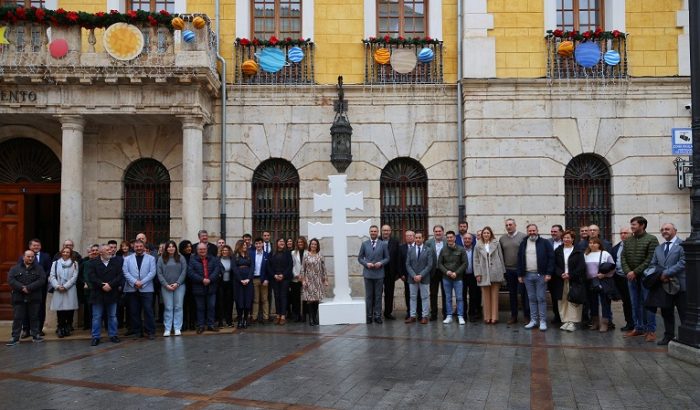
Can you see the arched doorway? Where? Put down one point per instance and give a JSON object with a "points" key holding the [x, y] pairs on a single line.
{"points": [[404, 196], [30, 204], [276, 199], [587, 194]]}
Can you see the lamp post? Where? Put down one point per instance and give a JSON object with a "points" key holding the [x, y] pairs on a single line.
{"points": [[688, 346], [341, 132]]}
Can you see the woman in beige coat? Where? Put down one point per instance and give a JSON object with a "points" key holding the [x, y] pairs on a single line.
{"points": [[489, 270]]}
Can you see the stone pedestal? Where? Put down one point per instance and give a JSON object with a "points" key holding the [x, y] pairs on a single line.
{"points": [[683, 352], [342, 313]]}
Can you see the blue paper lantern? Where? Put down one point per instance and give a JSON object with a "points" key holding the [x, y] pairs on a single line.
{"points": [[426, 55], [188, 36], [295, 54], [271, 59], [611, 57], [587, 54]]}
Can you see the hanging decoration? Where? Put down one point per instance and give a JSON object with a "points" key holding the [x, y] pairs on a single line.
{"points": [[382, 56], [64, 18], [58, 48], [426, 55], [271, 59], [611, 57], [123, 41], [295, 54], [403, 60], [566, 49], [3, 40], [178, 23], [587, 54], [188, 36], [249, 67], [199, 23]]}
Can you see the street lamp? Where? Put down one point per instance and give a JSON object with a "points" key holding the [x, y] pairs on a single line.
{"points": [[341, 132]]}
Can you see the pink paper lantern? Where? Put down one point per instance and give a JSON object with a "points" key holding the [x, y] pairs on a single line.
{"points": [[58, 48]]}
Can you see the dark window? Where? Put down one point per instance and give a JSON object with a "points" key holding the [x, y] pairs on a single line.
{"points": [[404, 197], [147, 200], [580, 15], [587, 190], [151, 5], [276, 199], [406, 18], [25, 160], [25, 3], [280, 18]]}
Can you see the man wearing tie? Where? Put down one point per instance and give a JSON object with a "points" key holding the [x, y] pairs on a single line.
{"points": [[204, 271], [407, 246], [669, 258], [267, 246], [470, 286], [373, 255], [419, 265], [139, 270], [391, 271]]}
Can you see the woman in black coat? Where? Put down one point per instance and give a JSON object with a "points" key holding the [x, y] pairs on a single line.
{"points": [[570, 267], [279, 273]]}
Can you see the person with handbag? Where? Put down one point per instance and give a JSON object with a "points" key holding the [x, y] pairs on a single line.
{"points": [[570, 266], [63, 277], [490, 270], [600, 267]]}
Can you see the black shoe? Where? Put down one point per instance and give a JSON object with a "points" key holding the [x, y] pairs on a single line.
{"points": [[95, 342], [369, 320], [213, 329], [12, 342], [378, 320], [38, 339], [556, 322], [433, 318], [664, 341], [25, 335], [389, 316], [151, 336], [129, 333], [200, 330], [114, 339], [60, 333], [41, 333], [627, 328], [473, 318], [611, 325]]}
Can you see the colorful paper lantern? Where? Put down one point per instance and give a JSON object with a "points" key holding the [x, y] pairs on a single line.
{"points": [[178, 23], [587, 54], [426, 55], [58, 48], [188, 36], [249, 67], [271, 59], [295, 54], [199, 23], [566, 49], [3, 40], [403, 60], [123, 41], [611, 57], [382, 56]]}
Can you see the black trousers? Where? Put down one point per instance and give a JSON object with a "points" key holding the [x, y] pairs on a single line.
{"points": [[435, 285], [26, 311], [555, 303], [224, 302], [407, 297], [470, 287], [621, 284], [42, 310], [389, 285], [679, 302], [294, 298]]}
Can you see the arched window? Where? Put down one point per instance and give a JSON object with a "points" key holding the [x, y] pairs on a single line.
{"points": [[147, 200], [587, 190], [25, 160], [404, 196], [276, 199]]}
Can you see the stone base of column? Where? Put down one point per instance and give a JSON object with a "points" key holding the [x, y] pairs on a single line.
{"points": [[685, 353], [342, 313]]}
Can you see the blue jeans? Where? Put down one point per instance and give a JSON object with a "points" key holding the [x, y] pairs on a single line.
{"points": [[536, 294], [138, 301], [98, 309], [644, 320], [449, 285], [515, 287], [172, 314]]}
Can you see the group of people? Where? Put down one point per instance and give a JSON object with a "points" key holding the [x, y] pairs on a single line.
{"points": [[584, 273], [199, 283], [135, 278]]}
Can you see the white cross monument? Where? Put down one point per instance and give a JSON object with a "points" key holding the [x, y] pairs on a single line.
{"points": [[343, 308]]}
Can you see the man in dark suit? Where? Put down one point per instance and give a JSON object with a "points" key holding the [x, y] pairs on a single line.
{"points": [[261, 288], [42, 259], [204, 271], [373, 256], [391, 271], [470, 285], [105, 276], [407, 246], [436, 243], [419, 266], [203, 236], [669, 258]]}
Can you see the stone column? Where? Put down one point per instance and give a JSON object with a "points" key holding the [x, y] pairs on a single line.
{"points": [[72, 180], [192, 206]]}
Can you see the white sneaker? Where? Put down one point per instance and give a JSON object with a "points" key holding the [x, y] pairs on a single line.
{"points": [[572, 327], [565, 326], [461, 320], [531, 324], [177, 332], [448, 320], [166, 333], [543, 326]]}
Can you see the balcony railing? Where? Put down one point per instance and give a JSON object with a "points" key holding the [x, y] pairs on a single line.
{"points": [[164, 55], [423, 73], [561, 65], [292, 73]]}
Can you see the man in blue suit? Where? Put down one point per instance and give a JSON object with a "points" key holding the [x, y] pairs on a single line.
{"points": [[669, 257], [373, 255], [139, 270], [419, 265]]}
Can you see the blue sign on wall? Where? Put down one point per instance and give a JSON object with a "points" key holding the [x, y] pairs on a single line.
{"points": [[682, 141]]}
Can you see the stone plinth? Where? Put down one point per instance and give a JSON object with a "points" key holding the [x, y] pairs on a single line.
{"points": [[342, 313], [683, 352]]}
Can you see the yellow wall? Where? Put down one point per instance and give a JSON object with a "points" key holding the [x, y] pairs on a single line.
{"points": [[339, 28], [519, 32], [653, 41]]}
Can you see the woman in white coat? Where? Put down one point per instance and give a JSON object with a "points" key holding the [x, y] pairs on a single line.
{"points": [[489, 270], [63, 275]]}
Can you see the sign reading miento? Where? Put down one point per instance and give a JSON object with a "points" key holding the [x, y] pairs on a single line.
{"points": [[17, 96], [682, 141]]}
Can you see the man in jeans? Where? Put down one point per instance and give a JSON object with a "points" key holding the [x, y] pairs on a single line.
{"points": [[535, 268], [636, 256], [451, 264]]}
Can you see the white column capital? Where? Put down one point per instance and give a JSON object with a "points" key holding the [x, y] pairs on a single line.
{"points": [[72, 122], [192, 122]]}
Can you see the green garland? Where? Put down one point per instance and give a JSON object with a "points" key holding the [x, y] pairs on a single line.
{"points": [[400, 40], [60, 17]]}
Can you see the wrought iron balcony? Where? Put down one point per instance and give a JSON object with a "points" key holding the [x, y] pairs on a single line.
{"points": [[297, 70], [611, 58], [28, 57], [429, 72]]}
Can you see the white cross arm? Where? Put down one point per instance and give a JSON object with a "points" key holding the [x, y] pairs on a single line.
{"points": [[322, 202], [320, 230], [359, 228], [354, 200]]}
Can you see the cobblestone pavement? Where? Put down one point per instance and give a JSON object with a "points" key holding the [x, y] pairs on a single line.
{"points": [[392, 365]]}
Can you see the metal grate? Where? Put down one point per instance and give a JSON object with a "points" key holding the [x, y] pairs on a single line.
{"points": [[404, 196], [28, 160], [276, 199], [587, 191], [301, 73], [559, 67], [423, 73], [147, 200]]}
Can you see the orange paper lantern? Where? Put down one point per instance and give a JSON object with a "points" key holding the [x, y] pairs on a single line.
{"points": [[199, 23], [382, 56], [566, 49], [249, 67], [178, 23]]}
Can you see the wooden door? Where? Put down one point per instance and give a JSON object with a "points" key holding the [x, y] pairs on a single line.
{"points": [[11, 244]]}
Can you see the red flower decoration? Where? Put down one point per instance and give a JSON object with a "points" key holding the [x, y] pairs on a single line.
{"points": [[401, 38], [288, 39], [72, 16], [131, 14], [372, 38], [164, 13], [60, 11], [587, 35], [273, 40], [21, 13], [428, 38], [387, 38], [39, 14], [100, 14], [558, 33], [113, 12], [152, 21], [256, 42], [616, 33]]}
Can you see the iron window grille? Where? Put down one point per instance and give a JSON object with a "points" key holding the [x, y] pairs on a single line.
{"points": [[147, 200], [276, 199], [404, 196], [587, 194]]}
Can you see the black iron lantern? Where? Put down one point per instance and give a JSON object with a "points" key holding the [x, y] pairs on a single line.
{"points": [[341, 132]]}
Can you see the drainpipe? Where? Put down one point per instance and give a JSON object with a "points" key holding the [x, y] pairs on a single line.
{"points": [[222, 206], [461, 208]]}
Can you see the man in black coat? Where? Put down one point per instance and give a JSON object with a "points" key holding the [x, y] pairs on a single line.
{"points": [[105, 275], [43, 259], [26, 279], [204, 271], [391, 271]]}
